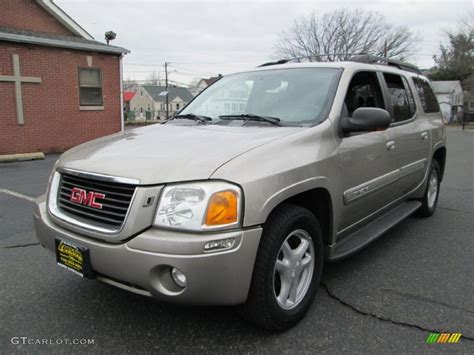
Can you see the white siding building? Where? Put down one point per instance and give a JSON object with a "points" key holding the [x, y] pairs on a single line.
{"points": [[450, 98]]}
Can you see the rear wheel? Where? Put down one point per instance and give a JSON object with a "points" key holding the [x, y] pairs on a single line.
{"points": [[430, 198], [287, 270]]}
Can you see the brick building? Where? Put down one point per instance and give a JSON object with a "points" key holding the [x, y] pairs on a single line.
{"points": [[58, 86]]}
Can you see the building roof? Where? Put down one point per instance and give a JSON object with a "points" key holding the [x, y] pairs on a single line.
{"points": [[174, 91], [54, 40], [210, 80], [64, 19], [446, 86], [128, 95]]}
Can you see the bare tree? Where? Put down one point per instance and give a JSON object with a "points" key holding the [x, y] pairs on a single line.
{"points": [[154, 78], [339, 34], [130, 84]]}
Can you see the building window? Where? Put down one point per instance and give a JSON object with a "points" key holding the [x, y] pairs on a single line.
{"points": [[177, 106], [141, 93], [90, 87]]}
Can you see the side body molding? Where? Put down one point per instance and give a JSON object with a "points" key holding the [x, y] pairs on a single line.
{"points": [[357, 192]]}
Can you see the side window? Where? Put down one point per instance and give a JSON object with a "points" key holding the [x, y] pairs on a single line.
{"points": [[364, 91], [400, 97], [427, 96], [411, 99]]}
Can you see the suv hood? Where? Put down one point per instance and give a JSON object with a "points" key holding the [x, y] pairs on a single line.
{"points": [[167, 153]]}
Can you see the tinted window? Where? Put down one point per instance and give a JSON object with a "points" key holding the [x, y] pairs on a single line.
{"points": [[427, 96], [401, 98], [411, 99], [364, 91]]}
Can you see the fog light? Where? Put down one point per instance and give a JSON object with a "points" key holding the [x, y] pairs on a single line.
{"points": [[178, 277], [221, 244]]}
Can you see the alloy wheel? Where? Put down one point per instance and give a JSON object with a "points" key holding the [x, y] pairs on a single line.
{"points": [[293, 271]]}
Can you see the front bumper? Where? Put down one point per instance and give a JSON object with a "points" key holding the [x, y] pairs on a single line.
{"points": [[141, 264]]}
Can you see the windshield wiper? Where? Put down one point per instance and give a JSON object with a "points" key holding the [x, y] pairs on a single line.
{"points": [[252, 117], [194, 117]]}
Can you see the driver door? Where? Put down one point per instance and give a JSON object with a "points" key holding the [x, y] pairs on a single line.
{"points": [[368, 163]]}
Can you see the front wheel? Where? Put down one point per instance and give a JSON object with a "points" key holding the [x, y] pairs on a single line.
{"points": [[287, 270], [430, 198]]}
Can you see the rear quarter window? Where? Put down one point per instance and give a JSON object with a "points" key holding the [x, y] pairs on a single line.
{"points": [[427, 96]]}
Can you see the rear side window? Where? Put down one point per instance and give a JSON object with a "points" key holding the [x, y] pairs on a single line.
{"points": [[427, 96], [400, 96]]}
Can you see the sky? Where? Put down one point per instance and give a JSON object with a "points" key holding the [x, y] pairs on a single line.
{"points": [[205, 38]]}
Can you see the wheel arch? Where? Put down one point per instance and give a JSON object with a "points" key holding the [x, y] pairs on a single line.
{"points": [[440, 156], [319, 202]]}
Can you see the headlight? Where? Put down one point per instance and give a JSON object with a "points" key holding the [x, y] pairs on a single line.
{"points": [[199, 206]]}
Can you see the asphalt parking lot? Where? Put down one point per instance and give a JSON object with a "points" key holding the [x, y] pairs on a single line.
{"points": [[415, 280]]}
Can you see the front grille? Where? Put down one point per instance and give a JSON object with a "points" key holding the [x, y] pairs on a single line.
{"points": [[114, 206]]}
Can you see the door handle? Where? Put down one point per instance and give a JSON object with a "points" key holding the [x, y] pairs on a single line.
{"points": [[424, 136], [390, 145]]}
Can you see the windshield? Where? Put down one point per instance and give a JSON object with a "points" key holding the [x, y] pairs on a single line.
{"points": [[294, 96]]}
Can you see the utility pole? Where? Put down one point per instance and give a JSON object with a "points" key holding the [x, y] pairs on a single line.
{"points": [[167, 94], [385, 49]]}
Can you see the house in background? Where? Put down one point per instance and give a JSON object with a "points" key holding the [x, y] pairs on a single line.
{"points": [[468, 87], [127, 97], [232, 100], [58, 86], [204, 83], [149, 101], [450, 98]]}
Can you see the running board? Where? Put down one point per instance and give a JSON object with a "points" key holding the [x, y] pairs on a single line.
{"points": [[367, 234]]}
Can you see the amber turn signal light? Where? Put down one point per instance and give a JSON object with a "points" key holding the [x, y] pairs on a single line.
{"points": [[222, 208]]}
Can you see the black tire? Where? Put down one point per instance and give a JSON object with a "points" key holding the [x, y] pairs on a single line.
{"points": [[427, 209], [262, 307]]}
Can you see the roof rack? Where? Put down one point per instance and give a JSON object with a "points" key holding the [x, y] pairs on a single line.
{"points": [[360, 58], [372, 59], [281, 61], [301, 59]]}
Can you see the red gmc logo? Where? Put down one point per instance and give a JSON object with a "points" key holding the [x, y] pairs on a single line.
{"points": [[82, 197]]}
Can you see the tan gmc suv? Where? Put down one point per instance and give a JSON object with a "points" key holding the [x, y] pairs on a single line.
{"points": [[242, 196]]}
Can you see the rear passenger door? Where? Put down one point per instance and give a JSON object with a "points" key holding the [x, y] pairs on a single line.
{"points": [[411, 131]]}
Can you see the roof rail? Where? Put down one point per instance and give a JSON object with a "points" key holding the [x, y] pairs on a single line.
{"points": [[301, 59], [372, 59], [360, 58], [281, 61]]}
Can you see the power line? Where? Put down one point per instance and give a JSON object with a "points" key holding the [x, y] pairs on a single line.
{"points": [[179, 67], [174, 82], [197, 63]]}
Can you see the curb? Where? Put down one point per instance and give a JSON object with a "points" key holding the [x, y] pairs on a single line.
{"points": [[10, 158]]}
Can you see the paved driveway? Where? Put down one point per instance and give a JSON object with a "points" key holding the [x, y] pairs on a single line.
{"points": [[415, 280]]}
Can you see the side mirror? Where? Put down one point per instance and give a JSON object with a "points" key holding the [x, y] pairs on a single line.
{"points": [[366, 119]]}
